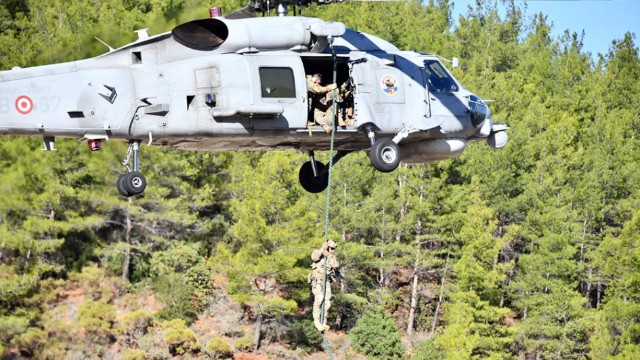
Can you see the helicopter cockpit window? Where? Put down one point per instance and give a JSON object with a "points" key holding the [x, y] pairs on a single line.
{"points": [[438, 79], [277, 82]]}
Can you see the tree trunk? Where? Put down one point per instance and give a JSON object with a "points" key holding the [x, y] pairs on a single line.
{"points": [[381, 278], [126, 263], [256, 334], [414, 284], [414, 290], [437, 310], [441, 297], [414, 302], [340, 313], [127, 238]]}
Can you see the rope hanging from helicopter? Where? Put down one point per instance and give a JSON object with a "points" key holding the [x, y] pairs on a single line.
{"points": [[328, 201]]}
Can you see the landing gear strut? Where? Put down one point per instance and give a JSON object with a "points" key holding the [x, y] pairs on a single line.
{"points": [[132, 182], [314, 175], [384, 154]]}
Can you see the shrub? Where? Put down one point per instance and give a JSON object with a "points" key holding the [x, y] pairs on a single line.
{"points": [[218, 348], [181, 265], [428, 350], [243, 344], [134, 354], [96, 283], [177, 294], [96, 317], [178, 258], [135, 324], [199, 276], [154, 347], [376, 335], [31, 341], [11, 326], [179, 337], [304, 335]]}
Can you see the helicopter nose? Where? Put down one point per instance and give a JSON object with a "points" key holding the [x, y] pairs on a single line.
{"points": [[478, 109]]}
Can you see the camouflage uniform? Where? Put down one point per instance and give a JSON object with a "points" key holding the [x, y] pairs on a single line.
{"points": [[345, 106], [318, 281], [320, 101]]}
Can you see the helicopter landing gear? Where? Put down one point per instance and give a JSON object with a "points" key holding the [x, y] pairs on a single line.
{"points": [[132, 182], [384, 154], [314, 175], [310, 178]]}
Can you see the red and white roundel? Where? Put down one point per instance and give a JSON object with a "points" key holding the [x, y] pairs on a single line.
{"points": [[24, 104]]}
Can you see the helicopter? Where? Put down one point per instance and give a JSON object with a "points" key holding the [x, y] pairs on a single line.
{"points": [[238, 83]]}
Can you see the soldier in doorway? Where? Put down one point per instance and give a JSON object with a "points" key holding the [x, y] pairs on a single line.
{"points": [[320, 101]]}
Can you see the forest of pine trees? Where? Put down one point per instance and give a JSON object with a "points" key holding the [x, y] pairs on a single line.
{"points": [[530, 252]]}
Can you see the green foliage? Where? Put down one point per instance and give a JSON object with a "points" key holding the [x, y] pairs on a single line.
{"points": [[178, 258], [176, 294], [97, 282], [182, 280], [617, 327], [135, 324], [304, 335], [179, 338], [351, 306], [473, 327], [154, 346], [218, 348], [97, 318], [31, 342], [427, 350], [243, 344], [134, 354], [541, 236], [11, 326], [376, 335]]}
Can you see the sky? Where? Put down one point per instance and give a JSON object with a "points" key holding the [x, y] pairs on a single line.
{"points": [[602, 20]]}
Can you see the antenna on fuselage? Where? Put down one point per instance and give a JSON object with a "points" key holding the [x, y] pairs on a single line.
{"points": [[105, 44]]}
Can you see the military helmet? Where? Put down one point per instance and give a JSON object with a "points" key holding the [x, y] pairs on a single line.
{"points": [[332, 244]]}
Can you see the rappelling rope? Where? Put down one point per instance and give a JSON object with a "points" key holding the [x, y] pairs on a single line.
{"points": [[328, 203]]}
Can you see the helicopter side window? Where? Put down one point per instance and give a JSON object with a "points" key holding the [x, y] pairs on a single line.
{"points": [[277, 82], [438, 79]]}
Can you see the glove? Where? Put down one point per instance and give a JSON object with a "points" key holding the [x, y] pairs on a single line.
{"points": [[325, 245], [325, 253]]}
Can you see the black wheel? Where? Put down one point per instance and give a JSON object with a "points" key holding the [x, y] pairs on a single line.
{"points": [[311, 183], [385, 155], [120, 185], [134, 182]]}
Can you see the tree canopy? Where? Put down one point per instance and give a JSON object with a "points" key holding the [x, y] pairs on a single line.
{"points": [[527, 252]]}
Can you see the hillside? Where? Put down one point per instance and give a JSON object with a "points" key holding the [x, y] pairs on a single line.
{"points": [[530, 252]]}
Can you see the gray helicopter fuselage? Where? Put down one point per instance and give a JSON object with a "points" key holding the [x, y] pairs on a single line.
{"points": [[218, 84]]}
